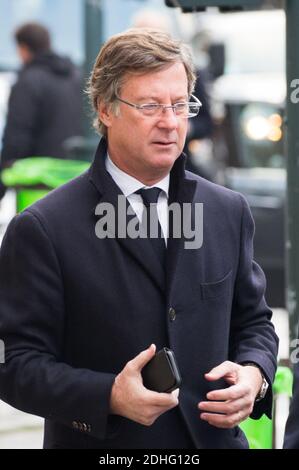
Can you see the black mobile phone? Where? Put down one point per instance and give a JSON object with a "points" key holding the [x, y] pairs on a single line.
{"points": [[161, 374]]}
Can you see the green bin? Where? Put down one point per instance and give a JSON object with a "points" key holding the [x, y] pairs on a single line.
{"points": [[260, 432], [34, 177]]}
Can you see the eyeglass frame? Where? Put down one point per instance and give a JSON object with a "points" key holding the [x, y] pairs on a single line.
{"points": [[162, 107]]}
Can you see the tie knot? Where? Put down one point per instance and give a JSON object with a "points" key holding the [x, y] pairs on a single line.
{"points": [[149, 196]]}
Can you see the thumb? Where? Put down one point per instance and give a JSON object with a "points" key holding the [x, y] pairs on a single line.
{"points": [[144, 357], [227, 368]]}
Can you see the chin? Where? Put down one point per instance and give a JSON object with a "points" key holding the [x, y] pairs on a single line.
{"points": [[164, 159]]}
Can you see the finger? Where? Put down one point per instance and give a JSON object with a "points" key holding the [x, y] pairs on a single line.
{"points": [[224, 421], [230, 393], [169, 406], [143, 358], [162, 399], [224, 407], [224, 369], [173, 396]]}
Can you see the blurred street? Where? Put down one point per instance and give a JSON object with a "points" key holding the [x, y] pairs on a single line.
{"points": [[19, 430]]}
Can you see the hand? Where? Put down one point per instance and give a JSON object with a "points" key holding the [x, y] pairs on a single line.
{"points": [[231, 405], [129, 398]]}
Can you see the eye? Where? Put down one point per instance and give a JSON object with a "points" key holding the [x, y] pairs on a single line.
{"points": [[149, 108], [181, 107]]}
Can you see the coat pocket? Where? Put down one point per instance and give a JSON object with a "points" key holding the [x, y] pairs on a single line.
{"points": [[210, 290]]}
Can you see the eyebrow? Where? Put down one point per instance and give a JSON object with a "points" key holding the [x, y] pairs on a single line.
{"points": [[155, 98]]}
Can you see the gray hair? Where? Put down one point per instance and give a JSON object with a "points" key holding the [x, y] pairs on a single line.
{"points": [[134, 51]]}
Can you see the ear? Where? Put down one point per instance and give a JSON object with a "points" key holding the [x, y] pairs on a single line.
{"points": [[105, 114]]}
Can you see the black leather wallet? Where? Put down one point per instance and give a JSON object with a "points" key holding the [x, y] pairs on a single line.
{"points": [[161, 374]]}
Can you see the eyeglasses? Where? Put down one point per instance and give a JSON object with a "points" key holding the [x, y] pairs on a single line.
{"points": [[183, 109]]}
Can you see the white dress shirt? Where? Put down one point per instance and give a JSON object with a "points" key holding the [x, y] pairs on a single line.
{"points": [[129, 185]]}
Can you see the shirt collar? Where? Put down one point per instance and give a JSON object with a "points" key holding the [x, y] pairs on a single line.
{"points": [[128, 184]]}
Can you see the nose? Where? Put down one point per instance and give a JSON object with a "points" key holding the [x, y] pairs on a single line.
{"points": [[168, 119]]}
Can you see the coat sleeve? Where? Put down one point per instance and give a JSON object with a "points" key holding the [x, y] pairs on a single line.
{"points": [[33, 377], [253, 338], [22, 122]]}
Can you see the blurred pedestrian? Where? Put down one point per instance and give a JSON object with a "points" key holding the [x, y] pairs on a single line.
{"points": [[45, 103]]}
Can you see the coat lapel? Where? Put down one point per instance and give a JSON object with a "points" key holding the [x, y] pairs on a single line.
{"points": [[182, 190]]}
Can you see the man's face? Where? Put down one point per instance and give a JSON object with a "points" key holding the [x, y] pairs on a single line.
{"points": [[24, 53], [147, 147]]}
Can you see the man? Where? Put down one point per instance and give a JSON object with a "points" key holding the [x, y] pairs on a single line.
{"points": [[45, 103], [81, 314]]}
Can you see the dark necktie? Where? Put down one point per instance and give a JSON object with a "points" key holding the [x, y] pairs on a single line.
{"points": [[150, 222]]}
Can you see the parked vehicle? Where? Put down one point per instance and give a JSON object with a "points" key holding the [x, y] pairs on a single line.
{"points": [[247, 152], [250, 146]]}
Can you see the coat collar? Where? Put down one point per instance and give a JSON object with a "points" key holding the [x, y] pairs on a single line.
{"points": [[181, 190]]}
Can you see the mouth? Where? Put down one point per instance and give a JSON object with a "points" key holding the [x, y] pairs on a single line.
{"points": [[164, 144]]}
